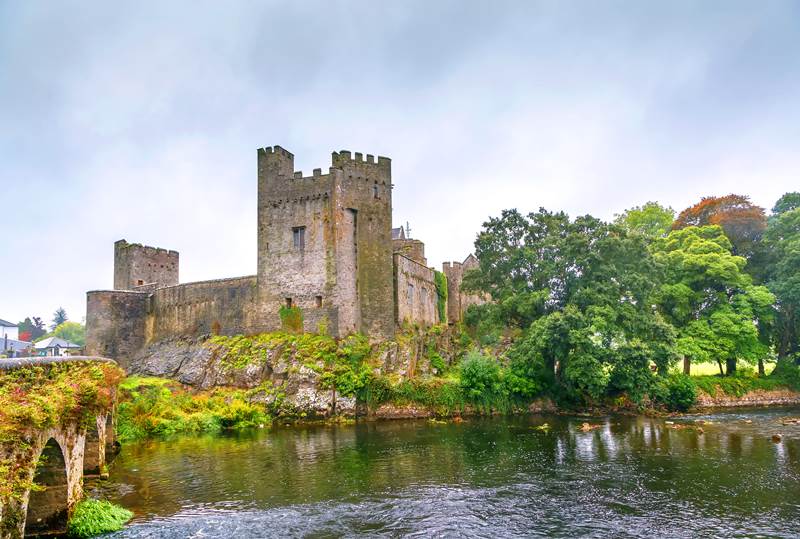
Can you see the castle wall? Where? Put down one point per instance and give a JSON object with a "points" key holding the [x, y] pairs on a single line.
{"points": [[136, 265], [415, 291], [458, 301], [115, 323], [413, 249], [226, 306]]}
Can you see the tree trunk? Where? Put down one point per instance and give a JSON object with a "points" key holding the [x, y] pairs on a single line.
{"points": [[721, 372], [687, 366], [761, 371], [730, 366]]}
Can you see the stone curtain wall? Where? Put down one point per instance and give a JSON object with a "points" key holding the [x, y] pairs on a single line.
{"points": [[115, 323], [458, 301], [226, 306], [413, 249], [416, 292], [134, 263]]}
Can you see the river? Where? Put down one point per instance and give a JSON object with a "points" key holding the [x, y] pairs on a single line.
{"points": [[491, 477]]}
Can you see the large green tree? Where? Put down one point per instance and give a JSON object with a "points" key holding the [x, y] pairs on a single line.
{"points": [[782, 242], [582, 292], [709, 299]]}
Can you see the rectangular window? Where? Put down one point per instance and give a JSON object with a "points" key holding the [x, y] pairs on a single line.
{"points": [[140, 282], [289, 302], [299, 237], [375, 191], [319, 302], [410, 294]]}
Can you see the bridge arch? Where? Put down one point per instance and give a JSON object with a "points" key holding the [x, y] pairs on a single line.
{"points": [[48, 505]]}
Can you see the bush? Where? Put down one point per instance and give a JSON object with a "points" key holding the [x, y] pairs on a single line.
{"points": [[482, 382], [677, 392], [95, 517]]}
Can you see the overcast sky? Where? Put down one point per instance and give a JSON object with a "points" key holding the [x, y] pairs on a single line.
{"points": [[142, 121]]}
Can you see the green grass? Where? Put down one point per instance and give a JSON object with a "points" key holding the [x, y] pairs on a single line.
{"points": [[95, 517], [711, 368]]}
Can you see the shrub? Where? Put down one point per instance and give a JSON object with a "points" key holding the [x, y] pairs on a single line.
{"points": [[440, 280], [677, 392], [95, 517], [482, 382]]}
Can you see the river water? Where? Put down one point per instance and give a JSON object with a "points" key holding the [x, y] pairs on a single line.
{"points": [[494, 477]]}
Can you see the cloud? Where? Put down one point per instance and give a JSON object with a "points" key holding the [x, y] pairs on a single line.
{"points": [[141, 121]]}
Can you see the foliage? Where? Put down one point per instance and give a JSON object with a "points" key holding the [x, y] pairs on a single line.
{"points": [[291, 318], [582, 291], [32, 328], [482, 381], [59, 317], [677, 392], [443, 396], [160, 407], [96, 517], [782, 242], [787, 202], [742, 221], [440, 280], [709, 298], [40, 397], [651, 219]]}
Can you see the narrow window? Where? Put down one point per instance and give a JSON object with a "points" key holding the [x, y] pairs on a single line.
{"points": [[299, 237], [410, 294], [289, 302], [375, 191], [319, 302]]}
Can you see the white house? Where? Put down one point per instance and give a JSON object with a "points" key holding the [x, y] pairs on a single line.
{"points": [[54, 346], [7, 329]]}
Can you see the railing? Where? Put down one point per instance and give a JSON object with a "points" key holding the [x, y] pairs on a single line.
{"points": [[16, 363]]}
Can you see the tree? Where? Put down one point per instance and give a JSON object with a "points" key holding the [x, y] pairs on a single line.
{"points": [[709, 298], [782, 242], [32, 329], [73, 332], [742, 221], [582, 292], [59, 317], [788, 202], [652, 219]]}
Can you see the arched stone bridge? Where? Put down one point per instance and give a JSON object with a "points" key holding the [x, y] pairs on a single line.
{"points": [[55, 458]]}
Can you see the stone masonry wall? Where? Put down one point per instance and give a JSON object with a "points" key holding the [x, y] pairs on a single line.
{"points": [[413, 249], [416, 292], [226, 305], [115, 323], [457, 300], [136, 265]]}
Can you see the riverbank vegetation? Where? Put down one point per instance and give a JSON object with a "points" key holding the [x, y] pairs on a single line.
{"points": [[161, 407], [96, 517]]}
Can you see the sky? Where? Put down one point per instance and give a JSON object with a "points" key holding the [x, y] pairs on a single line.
{"points": [[141, 120]]}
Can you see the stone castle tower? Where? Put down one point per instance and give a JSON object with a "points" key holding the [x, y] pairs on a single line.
{"points": [[324, 242]]}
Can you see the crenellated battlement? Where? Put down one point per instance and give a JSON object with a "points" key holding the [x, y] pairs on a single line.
{"points": [[276, 151], [344, 158]]}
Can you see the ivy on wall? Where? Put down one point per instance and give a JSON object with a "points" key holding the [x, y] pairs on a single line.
{"points": [[440, 280]]}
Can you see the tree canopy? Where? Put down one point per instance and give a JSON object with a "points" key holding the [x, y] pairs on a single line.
{"points": [[742, 221], [651, 219]]}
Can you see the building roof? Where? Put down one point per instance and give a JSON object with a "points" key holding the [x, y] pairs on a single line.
{"points": [[3, 323], [13, 344], [398, 233], [52, 342]]}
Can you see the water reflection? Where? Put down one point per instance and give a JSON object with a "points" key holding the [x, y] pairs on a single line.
{"points": [[623, 476]]}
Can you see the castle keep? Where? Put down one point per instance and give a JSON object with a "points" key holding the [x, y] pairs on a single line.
{"points": [[325, 245]]}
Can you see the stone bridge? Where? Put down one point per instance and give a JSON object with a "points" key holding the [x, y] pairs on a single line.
{"points": [[45, 466]]}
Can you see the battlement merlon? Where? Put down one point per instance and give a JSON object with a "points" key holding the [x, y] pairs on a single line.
{"points": [[275, 161]]}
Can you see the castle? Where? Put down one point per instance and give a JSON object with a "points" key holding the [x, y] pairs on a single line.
{"points": [[325, 245]]}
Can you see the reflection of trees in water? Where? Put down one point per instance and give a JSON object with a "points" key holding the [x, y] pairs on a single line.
{"points": [[310, 464]]}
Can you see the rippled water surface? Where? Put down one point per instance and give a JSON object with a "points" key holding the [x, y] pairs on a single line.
{"points": [[629, 477]]}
